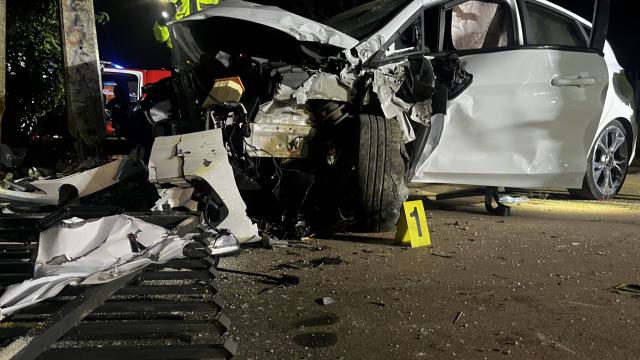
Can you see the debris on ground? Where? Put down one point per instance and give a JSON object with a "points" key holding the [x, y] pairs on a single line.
{"points": [[315, 263], [442, 255], [510, 200], [632, 290], [325, 301], [326, 260], [458, 316], [284, 279]]}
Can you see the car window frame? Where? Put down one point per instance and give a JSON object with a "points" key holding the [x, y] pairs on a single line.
{"points": [[526, 27], [381, 59], [513, 36], [520, 22]]}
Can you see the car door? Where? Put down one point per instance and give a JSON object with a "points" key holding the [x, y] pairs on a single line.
{"points": [[532, 110]]}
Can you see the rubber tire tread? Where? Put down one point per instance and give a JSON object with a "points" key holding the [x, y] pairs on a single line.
{"points": [[381, 174]]}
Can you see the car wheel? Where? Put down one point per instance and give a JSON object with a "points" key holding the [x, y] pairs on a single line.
{"points": [[607, 165], [381, 186]]}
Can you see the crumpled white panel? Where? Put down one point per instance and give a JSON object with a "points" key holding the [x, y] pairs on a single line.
{"points": [[205, 157], [175, 197], [387, 80], [90, 252], [321, 85], [202, 155], [87, 182], [297, 26]]}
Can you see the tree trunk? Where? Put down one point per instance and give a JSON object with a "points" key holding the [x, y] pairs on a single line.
{"points": [[3, 62], [85, 106]]}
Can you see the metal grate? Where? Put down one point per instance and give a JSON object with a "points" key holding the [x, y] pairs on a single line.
{"points": [[167, 311]]}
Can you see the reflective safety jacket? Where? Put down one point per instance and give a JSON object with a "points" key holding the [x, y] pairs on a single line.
{"points": [[184, 8]]}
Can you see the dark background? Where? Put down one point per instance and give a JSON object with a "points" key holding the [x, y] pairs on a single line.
{"points": [[128, 40]]}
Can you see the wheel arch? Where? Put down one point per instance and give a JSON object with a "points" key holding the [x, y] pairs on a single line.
{"points": [[628, 127]]}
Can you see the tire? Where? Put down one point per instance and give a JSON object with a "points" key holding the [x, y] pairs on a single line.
{"points": [[380, 170], [607, 164]]}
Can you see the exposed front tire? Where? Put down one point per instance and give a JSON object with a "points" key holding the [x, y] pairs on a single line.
{"points": [[607, 165], [381, 186]]}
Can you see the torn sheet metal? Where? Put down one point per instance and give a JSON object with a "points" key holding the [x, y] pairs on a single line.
{"points": [[367, 49], [203, 156], [91, 252], [302, 29], [165, 167], [175, 197], [387, 81], [429, 139], [323, 86], [87, 183]]}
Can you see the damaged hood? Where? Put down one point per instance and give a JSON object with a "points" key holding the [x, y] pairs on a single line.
{"points": [[298, 27]]}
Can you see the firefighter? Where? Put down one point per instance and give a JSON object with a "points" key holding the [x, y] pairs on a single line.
{"points": [[176, 10]]}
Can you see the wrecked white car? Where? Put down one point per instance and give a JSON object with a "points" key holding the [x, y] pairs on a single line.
{"points": [[328, 117], [510, 93]]}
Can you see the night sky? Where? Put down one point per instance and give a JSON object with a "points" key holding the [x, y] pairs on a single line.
{"points": [[128, 40]]}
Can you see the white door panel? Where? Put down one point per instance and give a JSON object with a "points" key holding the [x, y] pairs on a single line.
{"points": [[513, 127]]}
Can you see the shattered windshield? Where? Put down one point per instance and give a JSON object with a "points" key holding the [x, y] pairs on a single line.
{"points": [[356, 18]]}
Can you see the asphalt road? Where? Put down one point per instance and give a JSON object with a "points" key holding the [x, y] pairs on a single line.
{"points": [[535, 285]]}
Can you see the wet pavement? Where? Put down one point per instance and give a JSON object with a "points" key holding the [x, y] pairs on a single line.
{"points": [[535, 285]]}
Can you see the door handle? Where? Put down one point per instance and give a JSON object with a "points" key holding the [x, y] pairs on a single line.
{"points": [[576, 81]]}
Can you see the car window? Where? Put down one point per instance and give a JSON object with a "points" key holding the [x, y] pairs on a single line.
{"points": [[118, 84], [478, 25], [409, 40], [548, 27]]}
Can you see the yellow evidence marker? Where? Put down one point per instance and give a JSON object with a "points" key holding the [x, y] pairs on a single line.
{"points": [[412, 227]]}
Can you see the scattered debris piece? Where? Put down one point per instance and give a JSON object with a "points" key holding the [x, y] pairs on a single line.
{"points": [[285, 266], [326, 260], [442, 255], [378, 303], [325, 301], [632, 290], [270, 242], [506, 199], [284, 279], [575, 244], [458, 316]]}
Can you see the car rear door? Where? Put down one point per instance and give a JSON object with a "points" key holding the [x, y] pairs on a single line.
{"points": [[532, 111]]}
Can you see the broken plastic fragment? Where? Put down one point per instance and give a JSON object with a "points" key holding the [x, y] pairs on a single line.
{"points": [[223, 243], [325, 301]]}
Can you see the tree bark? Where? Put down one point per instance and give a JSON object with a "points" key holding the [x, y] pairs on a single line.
{"points": [[85, 106], [3, 62]]}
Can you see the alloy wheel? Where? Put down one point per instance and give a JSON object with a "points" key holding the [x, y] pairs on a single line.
{"points": [[610, 160]]}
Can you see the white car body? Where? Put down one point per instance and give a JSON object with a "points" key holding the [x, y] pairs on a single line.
{"points": [[482, 146], [523, 121]]}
